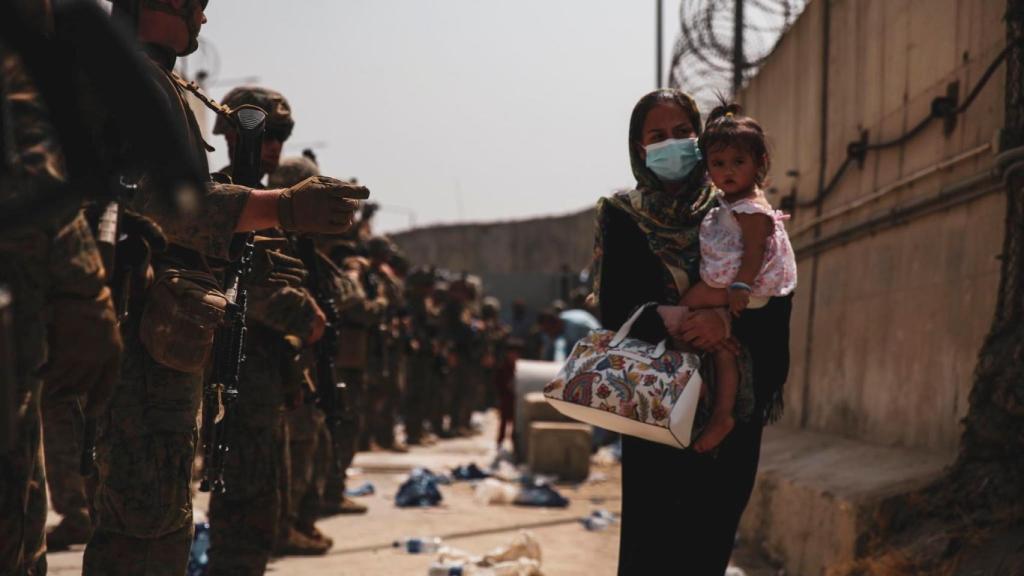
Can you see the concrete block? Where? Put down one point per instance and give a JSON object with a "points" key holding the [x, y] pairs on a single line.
{"points": [[560, 449], [531, 376], [816, 495], [535, 408]]}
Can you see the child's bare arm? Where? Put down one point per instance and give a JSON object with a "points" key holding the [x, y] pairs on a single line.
{"points": [[756, 228]]}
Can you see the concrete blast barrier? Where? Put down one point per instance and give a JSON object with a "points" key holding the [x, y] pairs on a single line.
{"points": [[560, 449], [531, 376], [537, 409]]}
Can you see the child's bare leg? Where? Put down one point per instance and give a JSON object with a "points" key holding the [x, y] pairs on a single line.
{"points": [[700, 295], [728, 376]]}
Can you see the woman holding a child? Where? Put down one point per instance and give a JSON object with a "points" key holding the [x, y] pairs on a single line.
{"points": [[717, 260]]}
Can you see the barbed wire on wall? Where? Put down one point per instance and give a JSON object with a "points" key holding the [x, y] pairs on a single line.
{"points": [[714, 56]]}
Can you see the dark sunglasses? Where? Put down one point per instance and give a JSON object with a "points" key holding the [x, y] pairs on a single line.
{"points": [[279, 133]]}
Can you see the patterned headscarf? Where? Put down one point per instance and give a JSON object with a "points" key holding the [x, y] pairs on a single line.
{"points": [[671, 221]]}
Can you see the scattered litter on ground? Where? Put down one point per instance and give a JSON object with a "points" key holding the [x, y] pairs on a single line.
{"points": [[469, 472], [367, 489], [419, 545], [596, 477], [598, 520], [494, 491], [507, 471], [538, 492], [522, 557], [420, 490], [606, 456]]}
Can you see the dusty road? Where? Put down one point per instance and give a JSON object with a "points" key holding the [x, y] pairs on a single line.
{"points": [[363, 544]]}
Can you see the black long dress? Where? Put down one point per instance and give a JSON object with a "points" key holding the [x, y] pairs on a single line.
{"points": [[680, 509]]}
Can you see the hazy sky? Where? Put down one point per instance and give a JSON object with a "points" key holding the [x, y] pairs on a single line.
{"points": [[453, 110]]}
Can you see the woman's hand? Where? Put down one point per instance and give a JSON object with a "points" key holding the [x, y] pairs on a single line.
{"points": [[703, 329], [673, 317], [707, 330]]}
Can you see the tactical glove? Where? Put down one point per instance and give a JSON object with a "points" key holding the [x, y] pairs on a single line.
{"points": [[271, 268], [320, 205]]}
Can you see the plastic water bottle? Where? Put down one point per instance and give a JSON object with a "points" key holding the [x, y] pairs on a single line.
{"points": [[419, 545], [446, 570], [198, 560]]}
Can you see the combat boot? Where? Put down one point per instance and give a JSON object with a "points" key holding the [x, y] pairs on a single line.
{"points": [[298, 544], [314, 534], [344, 505]]}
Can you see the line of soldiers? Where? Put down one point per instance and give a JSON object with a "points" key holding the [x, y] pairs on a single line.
{"points": [[112, 308]]}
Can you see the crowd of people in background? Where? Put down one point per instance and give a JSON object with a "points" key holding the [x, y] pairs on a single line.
{"points": [[166, 327]]}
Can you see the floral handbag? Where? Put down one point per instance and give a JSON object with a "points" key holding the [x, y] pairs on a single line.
{"points": [[628, 386]]}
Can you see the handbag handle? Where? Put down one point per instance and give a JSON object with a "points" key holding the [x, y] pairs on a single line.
{"points": [[628, 326]]}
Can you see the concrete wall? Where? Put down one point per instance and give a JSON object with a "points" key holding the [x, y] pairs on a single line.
{"points": [[886, 334], [535, 245], [516, 259]]}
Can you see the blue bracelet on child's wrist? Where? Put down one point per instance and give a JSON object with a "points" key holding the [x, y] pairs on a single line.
{"points": [[740, 286]]}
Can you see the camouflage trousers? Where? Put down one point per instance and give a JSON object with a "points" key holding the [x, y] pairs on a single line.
{"points": [[463, 385], [386, 388], [244, 520], [310, 453], [439, 400], [62, 433], [23, 498], [145, 448], [420, 388], [341, 451]]}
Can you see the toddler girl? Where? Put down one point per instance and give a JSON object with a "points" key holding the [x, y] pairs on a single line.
{"points": [[746, 257]]}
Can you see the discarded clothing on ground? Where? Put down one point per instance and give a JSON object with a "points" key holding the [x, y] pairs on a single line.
{"points": [[469, 472], [539, 493], [420, 490], [367, 489]]}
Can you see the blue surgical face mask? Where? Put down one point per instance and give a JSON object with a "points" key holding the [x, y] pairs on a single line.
{"points": [[673, 160]]}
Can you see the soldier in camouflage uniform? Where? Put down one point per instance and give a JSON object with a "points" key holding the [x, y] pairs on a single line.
{"points": [[385, 365], [244, 519], [440, 403], [421, 384], [310, 444], [465, 348], [359, 319], [54, 292], [146, 441]]}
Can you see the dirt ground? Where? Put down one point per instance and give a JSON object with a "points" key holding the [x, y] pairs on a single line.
{"points": [[363, 544]]}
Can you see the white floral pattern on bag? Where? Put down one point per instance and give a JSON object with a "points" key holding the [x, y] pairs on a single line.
{"points": [[628, 380]]}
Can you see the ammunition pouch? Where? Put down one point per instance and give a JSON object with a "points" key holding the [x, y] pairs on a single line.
{"points": [[180, 317]]}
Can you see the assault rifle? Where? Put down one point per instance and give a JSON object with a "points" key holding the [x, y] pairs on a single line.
{"points": [[221, 391], [332, 393]]}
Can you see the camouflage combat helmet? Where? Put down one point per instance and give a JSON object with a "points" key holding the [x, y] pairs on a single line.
{"points": [[379, 246], [293, 170], [127, 12], [279, 120], [421, 276]]}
